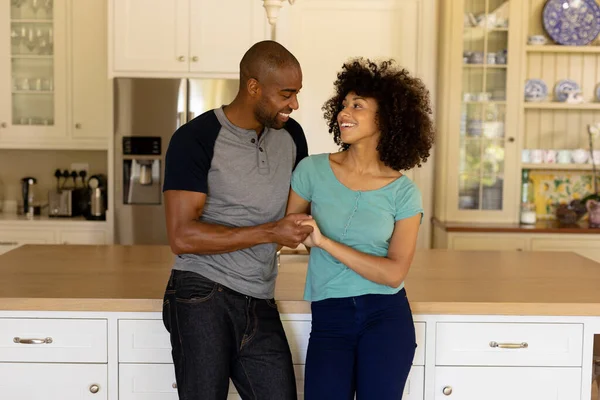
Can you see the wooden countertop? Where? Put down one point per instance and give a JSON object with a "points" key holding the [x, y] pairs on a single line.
{"points": [[543, 226], [133, 278]]}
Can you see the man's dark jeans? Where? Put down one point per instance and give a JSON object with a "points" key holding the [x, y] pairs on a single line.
{"points": [[217, 334]]}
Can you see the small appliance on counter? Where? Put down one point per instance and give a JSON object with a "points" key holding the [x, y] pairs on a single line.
{"points": [[98, 200], [29, 205], [68, 199]]}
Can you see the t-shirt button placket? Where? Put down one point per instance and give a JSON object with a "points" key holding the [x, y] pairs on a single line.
{"points": [[262, 160]]}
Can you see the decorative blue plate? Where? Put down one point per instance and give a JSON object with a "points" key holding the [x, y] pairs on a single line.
{"points": [[563, 87], [572, 22], [535, 90]]}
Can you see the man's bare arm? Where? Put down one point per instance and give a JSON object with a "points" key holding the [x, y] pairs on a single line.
{"points": [[188, 235]]}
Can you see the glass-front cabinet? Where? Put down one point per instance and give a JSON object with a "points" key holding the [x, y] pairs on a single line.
{"points": [[481, 142], [33, 70]]}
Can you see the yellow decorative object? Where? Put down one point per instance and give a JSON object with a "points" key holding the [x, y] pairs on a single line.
{"points": [[558, 188]]}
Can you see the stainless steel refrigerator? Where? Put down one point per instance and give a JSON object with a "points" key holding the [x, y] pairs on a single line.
{"points": [[149, 111]]}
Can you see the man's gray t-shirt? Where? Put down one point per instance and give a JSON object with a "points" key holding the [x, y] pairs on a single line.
{"points": [[246, 179]]}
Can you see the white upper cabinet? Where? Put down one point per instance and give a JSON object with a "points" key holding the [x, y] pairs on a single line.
{"points": [[91, 89], [54, 87], [177, 38]]}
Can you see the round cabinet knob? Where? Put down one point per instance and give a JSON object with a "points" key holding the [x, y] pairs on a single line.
{"points": [[3, 125], [94, 388], [181, 58], [195, 59], [447, 390], [511, 139], [174, 385], [78, 126]]}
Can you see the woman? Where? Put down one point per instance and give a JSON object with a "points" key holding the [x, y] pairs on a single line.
{"points": [[366, 217]]}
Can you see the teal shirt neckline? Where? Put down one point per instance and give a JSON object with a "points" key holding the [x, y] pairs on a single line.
{"points": [[363, 220]]}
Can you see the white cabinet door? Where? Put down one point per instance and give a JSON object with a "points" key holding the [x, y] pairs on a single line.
{"points": [[500, 383], [53, 381], [89, 78], [415, 384], [221, 32], [323, 34], [33, 75], [151, 36]]}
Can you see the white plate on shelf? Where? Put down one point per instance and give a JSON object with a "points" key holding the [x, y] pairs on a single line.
{"points": [[535, 90], [563, 87]]}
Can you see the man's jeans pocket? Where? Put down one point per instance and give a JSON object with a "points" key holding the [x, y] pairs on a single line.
{"points": [[192, 288]]}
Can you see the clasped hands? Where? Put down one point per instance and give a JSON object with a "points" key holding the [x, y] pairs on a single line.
{"points": [[301, 228]]}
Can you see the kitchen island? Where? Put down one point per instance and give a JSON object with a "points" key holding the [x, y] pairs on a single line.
{"points": [[86, 320]]}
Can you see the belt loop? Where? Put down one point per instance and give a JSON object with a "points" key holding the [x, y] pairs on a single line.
{"points": [[172, 278]]}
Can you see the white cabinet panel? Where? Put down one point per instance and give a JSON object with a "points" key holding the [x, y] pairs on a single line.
{"points": [[53, 340], [26, 236], [489, 242], [53, 382], [466, 383], [150, 36], [415, 384], [221, 32], [81, 236], [157, 382], [90, 119], [147, 382], [509, 344], [144, 341]]}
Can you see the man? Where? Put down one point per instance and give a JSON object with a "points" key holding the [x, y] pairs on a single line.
{"points": [[227, 181]]}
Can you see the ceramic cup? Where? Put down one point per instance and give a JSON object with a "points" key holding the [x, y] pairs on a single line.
{"points": [[537, 156], [564, 157], [580, 156], [596, 157], [526, 156], [550, 156]]}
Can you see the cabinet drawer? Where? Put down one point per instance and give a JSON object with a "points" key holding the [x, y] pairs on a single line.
{"points": [[157, 381], [53, 340], [147, 381], [509, 344], [144, 341], [49, 381], [147, 341], [497, 242], [498, 383], [82, 236], [26, 236]]}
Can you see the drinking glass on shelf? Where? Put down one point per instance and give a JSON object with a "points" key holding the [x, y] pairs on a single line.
{"points": [[48, 84], [35, 6], [48, 4], [30, 40]]}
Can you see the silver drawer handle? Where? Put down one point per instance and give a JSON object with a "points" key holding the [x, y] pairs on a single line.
{"points": [[48, 340], [523, 345]]}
